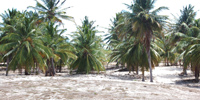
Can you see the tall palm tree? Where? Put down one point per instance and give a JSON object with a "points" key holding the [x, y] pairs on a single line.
{"points": [[144, 21], [184, 25], [90, 54], [51, 10]]}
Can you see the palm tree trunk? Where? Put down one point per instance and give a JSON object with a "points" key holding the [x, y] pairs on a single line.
{"points": [[148, 44], [37, 68], [129, 68], [143, 74], [8, 61], [150, 67], [60, 68], [197, 73], [26, 71], [52, 67], [137, 70], [167, 62], [132, 68], [184, 69], [48, 68], [20, 71], [117, 64]]}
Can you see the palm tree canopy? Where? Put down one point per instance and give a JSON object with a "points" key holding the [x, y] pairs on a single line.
{"points": [[23, 43], [187, 15], [53, 39], [51, 10], [89, 48], [144, 18]]}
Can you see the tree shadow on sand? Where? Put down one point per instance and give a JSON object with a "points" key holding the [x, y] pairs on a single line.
{"points": [[189, 83]]}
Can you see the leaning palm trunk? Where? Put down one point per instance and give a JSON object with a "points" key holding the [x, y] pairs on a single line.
{"points": [[148, 43]]}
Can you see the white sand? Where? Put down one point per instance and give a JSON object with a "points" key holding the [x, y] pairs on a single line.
{"points": [[110, 85]]}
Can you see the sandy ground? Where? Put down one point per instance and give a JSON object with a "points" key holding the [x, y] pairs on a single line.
{"points": [[110, 85]]}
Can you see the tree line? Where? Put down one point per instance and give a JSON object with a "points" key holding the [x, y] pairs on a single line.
{"points": [[139, 39]]}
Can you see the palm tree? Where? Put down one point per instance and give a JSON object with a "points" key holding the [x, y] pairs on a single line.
{"points": [[114, 38], [167, 52], [191, 55], [132, 52], [144, 22], [24, 45], [60, 49], [184, 25], [51, 10], [89, 49], [186, 18], [7, 27], [114, 30], [190, 47]]}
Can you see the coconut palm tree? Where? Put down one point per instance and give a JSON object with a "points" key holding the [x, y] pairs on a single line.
{"points": [[186, 18], [164, 42], [24, 45], [189, 44], [184, 25], [51, 10], [132, 52], [191, 55], [89, 50], [114, 30], [8, 24], [60, 49], [144, 21]]}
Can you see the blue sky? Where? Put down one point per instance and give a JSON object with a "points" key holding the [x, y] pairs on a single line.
{"points": [[100, 10]]}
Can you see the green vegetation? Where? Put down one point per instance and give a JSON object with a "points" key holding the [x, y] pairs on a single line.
{"points": [[89, 49], [139, 39]]}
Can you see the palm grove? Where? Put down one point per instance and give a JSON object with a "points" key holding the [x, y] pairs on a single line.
{"points": [[139, 39]]}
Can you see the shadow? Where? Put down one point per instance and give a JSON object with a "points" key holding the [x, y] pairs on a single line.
{"points": [[122, 70], [126, 77], [192, 83]]}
